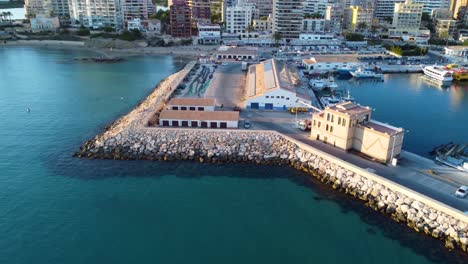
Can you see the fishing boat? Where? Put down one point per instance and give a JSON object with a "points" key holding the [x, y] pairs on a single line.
{"points": [[438, 73], [328, 101], [459, 73]]}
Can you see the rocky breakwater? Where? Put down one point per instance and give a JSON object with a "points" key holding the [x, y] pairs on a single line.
{"points": [[270, 148]]}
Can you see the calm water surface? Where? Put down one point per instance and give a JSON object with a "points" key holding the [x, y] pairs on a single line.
{"points": [[59, 209], [431, 115]]}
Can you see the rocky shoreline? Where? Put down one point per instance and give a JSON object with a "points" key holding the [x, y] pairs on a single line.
{"points": [[129, 139]]}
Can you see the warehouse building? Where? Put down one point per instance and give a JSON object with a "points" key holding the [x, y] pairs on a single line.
{"points": [[199, 119], [271, 85], [192, 104]]}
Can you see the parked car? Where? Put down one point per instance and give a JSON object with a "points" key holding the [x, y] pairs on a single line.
{"points": [[237, 108], [247, 124], [224, 64], [462, 192]]}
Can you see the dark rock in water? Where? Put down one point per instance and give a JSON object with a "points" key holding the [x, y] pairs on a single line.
{"points": [[100, 59]]}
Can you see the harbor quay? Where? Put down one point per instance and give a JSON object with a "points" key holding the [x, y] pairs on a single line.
{"points": [[133, 137]]}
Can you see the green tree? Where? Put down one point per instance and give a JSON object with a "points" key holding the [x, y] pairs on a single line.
{"points": [[353, 37], [108, 29], [426, 17], [249, 29], [277, 37], [83, 31], [362, 26]]}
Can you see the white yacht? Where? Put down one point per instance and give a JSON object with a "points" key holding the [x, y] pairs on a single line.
{"points": [[319, 84], [363, 73], [439, 73]]}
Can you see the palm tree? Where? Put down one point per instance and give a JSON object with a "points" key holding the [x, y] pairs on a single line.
{"points": [[277, 37], [249, 29]]}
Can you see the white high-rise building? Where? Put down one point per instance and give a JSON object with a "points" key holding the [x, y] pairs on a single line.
{"points": [[60, 8], [430, 5], [238, 18], [384, 8], [141, 9], [99, 13], [312, 7], [406, 18], [35, 7], [287, 18]]}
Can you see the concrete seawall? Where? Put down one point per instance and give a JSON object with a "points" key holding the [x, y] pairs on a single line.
{"points": [[129, 138]]}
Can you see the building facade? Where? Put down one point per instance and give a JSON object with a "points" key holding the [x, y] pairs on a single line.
{"points": [[200, 11], [355, 16], [430, 5], [334, 17], [349, 126], [407, 18], [287, 18], [34, 7], [44, 23], [384, 9], [314, 25], [100, 13], [445, 28], [141, 9], [271, 85], [209, 33], [239, 18], [315, 7], [263, 24], [180, 18]]}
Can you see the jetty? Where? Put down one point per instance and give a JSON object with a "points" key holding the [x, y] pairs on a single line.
{"points": [[131, 138]]}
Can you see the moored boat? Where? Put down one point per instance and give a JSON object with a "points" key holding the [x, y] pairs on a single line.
{"points": [[365, 73], [458, 73], [438, 73]]}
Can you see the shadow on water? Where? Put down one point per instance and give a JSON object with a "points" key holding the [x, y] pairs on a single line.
{"points": [[85, 169]]}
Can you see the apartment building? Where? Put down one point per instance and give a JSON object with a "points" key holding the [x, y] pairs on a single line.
{"points": [[287, 18], [384, 9], [99, 13], [34, 7], [239, 17], [334, 17], [357, 15], [445, 28], [180, 18], [314, 25], [200, 11], [406, 18], [349, 126], [263, 24], [141, 9], [315, 7], [430, 5]]}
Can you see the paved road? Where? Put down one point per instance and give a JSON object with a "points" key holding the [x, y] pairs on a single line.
{"points": [[412, 172], [227, 85]]}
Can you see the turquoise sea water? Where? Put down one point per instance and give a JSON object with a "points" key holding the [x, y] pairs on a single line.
{"points": [[59, 209]]}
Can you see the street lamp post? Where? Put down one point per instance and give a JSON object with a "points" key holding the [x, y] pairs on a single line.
{"points": [[393, 149]]}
